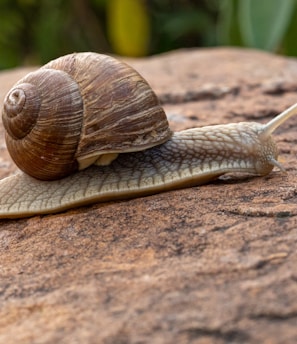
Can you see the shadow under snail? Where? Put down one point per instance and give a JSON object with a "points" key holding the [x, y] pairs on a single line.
{"points": [[85, 109]]}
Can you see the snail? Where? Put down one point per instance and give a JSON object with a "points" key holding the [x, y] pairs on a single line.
{"points": [[87, 128]]}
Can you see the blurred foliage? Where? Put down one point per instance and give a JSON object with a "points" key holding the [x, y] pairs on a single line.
{"points": [[36, 31], [128, 34]]}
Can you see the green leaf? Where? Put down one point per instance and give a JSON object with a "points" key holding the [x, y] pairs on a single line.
{"points": [[289, 46], [263, 23], [128, 27]]}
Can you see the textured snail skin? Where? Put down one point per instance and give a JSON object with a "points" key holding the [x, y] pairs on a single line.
{"points": [[190, 157]]}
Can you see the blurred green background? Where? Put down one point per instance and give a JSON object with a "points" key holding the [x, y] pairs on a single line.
{"points": [[36, 31]]}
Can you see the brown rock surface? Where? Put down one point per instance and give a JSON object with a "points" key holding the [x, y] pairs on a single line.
{"points": [[209, 264]]}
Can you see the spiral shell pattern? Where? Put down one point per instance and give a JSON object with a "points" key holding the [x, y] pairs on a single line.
{"points": [[42, 116], [15, 118]]}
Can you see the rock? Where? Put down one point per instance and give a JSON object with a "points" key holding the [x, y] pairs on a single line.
{"points": [[209, 264]]}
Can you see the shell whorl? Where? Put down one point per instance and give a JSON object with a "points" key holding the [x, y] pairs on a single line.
{"points": [[42, 137], [21, 107]]}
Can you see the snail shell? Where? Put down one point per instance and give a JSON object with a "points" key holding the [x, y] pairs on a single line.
{"points": [[77, 110]]}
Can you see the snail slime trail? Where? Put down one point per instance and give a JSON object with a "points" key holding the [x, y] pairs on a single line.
{"points": [[106, 137]]}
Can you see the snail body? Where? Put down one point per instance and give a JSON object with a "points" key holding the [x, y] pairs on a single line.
{"points": [[152, 160]]}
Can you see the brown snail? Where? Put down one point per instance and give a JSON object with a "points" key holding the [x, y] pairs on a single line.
{"points": [[88, 109]]}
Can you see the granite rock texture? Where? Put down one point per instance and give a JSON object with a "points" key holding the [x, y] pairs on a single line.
{"points": [[209, 264]]}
